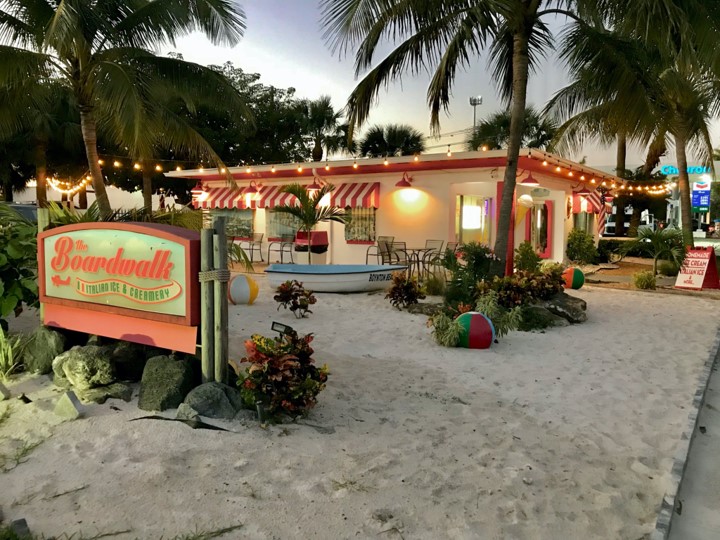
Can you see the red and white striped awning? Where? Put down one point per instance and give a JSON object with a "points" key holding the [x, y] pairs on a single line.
{"points": [[272, 196], [589, 203], [221, 197], [363, 195]]}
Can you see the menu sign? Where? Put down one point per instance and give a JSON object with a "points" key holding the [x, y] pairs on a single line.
{"points": [[699, 271]]}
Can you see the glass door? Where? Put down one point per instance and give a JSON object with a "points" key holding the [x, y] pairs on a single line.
{"points": [[473, 219]]}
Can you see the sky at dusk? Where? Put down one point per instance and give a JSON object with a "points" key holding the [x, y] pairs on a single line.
{"points": [[284, 44]]}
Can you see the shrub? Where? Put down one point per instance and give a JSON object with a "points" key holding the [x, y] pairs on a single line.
{"points": [[11, 352], [644, 279], [293, 296], [471, 264], [525, 287], [446, 330], [282, 375], [435, 285], [668, 268], [503, 319], [404, 291], [660, 244], [581, 247], [526, 258]]}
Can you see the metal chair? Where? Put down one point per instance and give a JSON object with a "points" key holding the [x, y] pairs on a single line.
{"points": [[253, 245], [400, 255], [434, 252], [283, 246], [374, 250]]}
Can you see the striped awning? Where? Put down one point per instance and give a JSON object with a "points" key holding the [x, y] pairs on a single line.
{"points": [[362, 195], [221, 197], [589, 203], [272, 196]]}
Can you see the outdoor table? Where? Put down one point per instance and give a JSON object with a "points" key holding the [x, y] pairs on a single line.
{"points": [[419, 254]]}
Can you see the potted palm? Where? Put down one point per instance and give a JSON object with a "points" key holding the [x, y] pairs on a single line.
{"points": [[308, 210]]}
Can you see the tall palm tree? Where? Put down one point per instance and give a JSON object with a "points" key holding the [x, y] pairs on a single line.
{"points": [[103, 51], [493, 133], [392, 140], [323, 126], [308, 210]]}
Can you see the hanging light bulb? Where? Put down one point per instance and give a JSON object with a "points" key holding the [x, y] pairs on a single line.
{"points": [[544, 162], [386, 162], [484, 148], [299, 169], [355, 165], [449, 152], [158, 168], [136, 166], [117, 164], [248, 169], [178, 168], [417, 158], [327, 166], [101, 162], [272, 169]]}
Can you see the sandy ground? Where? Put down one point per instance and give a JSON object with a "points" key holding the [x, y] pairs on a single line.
{"points": [[564, 434]]}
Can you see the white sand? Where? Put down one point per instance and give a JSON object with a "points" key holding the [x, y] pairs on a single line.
{"points": [[559, 435]]}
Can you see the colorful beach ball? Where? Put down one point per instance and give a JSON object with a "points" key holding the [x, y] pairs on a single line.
{"points": [[242, 289], [574, 278], [479, 331]]}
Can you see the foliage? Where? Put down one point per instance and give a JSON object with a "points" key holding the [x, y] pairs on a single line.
{"points": [[610, 250], [644, 279], [581, 247], [660, 244], [525, 287], [493, 133], [392, 140], [281, 376], [18, 264], [668, 268], [404, 291], [526, 258], [446, 330], [434, 285], [504, 319], [293, 296], [468, 266], [532, 320], [322, 126], [9, 346]]}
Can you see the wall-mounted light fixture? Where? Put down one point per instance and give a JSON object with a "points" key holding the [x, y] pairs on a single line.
{"points": [[405, 181], [529, 181]]}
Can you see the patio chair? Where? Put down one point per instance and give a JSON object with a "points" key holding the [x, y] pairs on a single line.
{"points": [[255, 244], [400, 255], [284, 246], [431, 256], [374, 250]]}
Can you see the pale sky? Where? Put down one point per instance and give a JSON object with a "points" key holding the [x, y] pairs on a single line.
{"points": [[283, 43]]}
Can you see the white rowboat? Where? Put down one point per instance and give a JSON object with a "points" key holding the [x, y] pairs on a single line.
{"points": [[337, 278]]}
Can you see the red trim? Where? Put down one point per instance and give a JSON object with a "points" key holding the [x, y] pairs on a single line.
{"points": [[363, 242], [547, 254]]}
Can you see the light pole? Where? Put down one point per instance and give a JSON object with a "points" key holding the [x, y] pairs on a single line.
{"points": [[475, 101]]}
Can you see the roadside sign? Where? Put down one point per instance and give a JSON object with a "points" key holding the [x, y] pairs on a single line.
{"points": [[699, 271], [701, 196]]}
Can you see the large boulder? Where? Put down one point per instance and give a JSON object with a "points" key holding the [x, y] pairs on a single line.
{"points": [[568, 307], [537, 317], [102, 393], [85, 367], [215, 400], [44, 345], [165, 383], [129, 360]]}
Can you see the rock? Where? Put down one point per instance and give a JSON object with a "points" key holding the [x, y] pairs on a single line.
{"points": [[68, 406], [186, 412], [129, 360], [44, 345], [527, 481], [246, 415], [20, 528], [537, 317], [215, 400], [4, 392], [569, 307], [165, 383], [85, 367], [101, 394], [426, 308]]}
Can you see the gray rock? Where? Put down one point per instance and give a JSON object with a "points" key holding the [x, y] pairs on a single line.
{"points": [[537, 317], [186, 412], [245, 416], [68, 406], [4, 392], [44, 345], [20, 528], [426, 308], [129, 360], [569, 307], [215, 400], [101, 394], [165, 383], [85, 367]]}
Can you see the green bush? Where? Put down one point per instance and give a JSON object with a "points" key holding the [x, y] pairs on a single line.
{"points": [[282, 375], [293, 296], [525, 287], [668, 268], [581, 247], [405, 291], [526, 258], [504, 320], [471, 264], [644, 279], [435, 285], [446, 330], [18, 264]]}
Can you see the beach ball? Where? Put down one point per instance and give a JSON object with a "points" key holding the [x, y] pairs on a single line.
{"points": [[242, 289], [574, 278], [479, 331]]}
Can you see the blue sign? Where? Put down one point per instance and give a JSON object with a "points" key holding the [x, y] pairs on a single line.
{"points": [[672, 169], [700, 200]]}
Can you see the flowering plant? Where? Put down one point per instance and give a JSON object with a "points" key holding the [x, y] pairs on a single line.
{"points": [[282, 374], [293, 296]]}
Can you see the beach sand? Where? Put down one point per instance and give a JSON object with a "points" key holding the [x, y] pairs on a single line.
{"points": [[564, 434]]}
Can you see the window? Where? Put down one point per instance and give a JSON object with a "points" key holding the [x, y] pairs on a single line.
{"points": [[278, 224], [538, 228], [584, 221], [360, 226], [472, 219], [239, 223]]}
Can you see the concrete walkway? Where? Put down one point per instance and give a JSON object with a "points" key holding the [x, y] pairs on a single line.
{"points": [[698, 518]]}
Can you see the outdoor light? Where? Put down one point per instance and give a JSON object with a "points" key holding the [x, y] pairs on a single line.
{"points": [[299, 169], [582, 177], [386, 162], [158, 168], [327, 166], [252, 189], [530, 181], [101, 162], [315, 186], [405, 181], [178, 168], [484, 148], [199, 189], [116, 164], [247, 170], [281, 328], [272, 169], [474, 102], [449, 152], [417, 158], [355, 165], [544, 163], [136, 166]]}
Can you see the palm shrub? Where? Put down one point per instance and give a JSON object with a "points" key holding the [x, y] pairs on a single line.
{"points": [[469, 266], [504, 320], [581, 247], [447, 331], [526, 258], [666, 244]]}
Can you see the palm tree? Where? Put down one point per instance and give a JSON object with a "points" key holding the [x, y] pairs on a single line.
{"points": [[660, 244], [392, 140], [493, 133], [307, 209], [103, 52], [323, 126]]}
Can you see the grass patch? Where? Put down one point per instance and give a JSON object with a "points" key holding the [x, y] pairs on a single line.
{"points": [[350, 485], [206, 535], [9, 461]]}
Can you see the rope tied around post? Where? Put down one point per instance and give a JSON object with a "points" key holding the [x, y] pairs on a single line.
{"points": [[222, 275]]}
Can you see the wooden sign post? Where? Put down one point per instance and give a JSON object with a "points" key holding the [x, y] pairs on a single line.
{"points": [[699, 271]]}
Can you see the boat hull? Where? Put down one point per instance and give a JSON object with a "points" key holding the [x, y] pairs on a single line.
{"points": [[337, 278]]}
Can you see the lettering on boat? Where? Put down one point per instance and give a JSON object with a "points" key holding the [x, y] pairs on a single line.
{"points": [[385, 276]]}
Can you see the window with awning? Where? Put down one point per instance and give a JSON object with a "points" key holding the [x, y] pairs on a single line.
{"points": [[356, 195]]}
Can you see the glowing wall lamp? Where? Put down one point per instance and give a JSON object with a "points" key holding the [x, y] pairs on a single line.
{"points": [[405, 181], [252, 189], [529, 181]]}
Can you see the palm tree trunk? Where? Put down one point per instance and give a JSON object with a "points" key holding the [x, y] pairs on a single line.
{"points": [[147, 187], [82, 198], [317, 151], [517, 115], [41, 172], [684, 188], [89, 133], [620, 166]]}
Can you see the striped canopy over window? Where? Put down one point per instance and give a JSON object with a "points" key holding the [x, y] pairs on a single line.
{"points": [[362, 195]]}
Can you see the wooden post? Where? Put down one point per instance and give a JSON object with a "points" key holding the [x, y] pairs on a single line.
{"points": [[207, 311], [43, 222], [221, 301]]}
